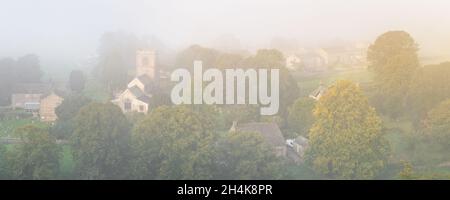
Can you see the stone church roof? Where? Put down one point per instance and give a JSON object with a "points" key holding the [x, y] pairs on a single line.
{"points": [[139, 94]]}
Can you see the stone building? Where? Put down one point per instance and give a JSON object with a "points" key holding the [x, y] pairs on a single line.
{"points": [[137, 96], [48, 105]]}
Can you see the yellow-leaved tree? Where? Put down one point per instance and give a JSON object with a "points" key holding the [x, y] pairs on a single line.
{"points": [[346, 140], [393, 59]]}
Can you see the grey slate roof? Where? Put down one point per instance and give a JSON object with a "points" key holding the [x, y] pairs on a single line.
{"points": [[139, 94], [136, 91], [145, 99]]}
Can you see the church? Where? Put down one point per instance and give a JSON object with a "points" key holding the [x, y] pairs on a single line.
{"points": [[137, 97]]}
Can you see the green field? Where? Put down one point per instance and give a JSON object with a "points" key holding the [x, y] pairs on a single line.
{"points": [[66, 163], [309, 83], [7, 127]]}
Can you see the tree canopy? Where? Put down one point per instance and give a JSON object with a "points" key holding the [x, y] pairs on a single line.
{"points": [[66, 113], [174, 143], [77, 81], [300, 115], [101, 142], [246, 156], [431, 86], [393, 59], [36, 156], [25, 69], [346, 139], [437, 124]]}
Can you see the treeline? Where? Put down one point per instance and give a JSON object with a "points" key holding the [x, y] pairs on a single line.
{"points": [[25, 69], [402, 87], [178, 142]]}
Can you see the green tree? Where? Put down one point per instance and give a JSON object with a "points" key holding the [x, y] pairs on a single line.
{"points": [[246, 155], [431, 86], [393, 59], [274, 59], [346, 141], [240, 113], [4, 168], [77, 81], [437, 124], [407, 171], [36, 156], [174, 143], [117, 55], [229, 60], [187, 57], [101, 142], [6, 80], [266, 58], [27, 69], [66, 112], [300, 115]]}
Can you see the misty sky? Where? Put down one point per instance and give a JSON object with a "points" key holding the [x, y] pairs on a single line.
{"points": [[70, 29]]}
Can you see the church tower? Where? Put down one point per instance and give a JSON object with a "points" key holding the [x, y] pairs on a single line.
{"points": [[145, 63]]}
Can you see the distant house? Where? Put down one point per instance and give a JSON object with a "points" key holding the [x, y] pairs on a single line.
{"points": [[133, 100], [28, 96], [346, 56], [318, 93], [269, 131], [39, 99], [293, 62], [137, 96], [315, 60], [48, 105]]}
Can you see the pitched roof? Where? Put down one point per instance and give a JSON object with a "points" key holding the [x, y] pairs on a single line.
{"points": [[301, 140], [139, 94], [145, 99], [317, 93], [270, 131], [136, 91]]}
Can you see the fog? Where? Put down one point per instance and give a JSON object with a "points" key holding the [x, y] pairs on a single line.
{"points": [[64, 33]]}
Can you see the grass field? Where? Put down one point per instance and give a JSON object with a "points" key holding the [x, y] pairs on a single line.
{"points": [[66, 163], [428, 159], [309, 83], [7, 127]]}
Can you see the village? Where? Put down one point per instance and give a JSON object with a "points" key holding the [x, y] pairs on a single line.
{"points": [[42, 100], [131, 105]]}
